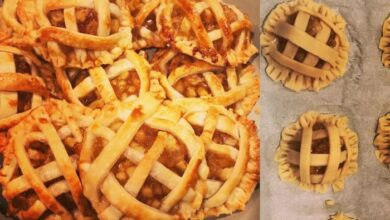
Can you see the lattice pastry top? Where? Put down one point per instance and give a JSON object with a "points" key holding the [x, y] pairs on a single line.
{"points": [[237, 88], [382, 140], [317, 151], [71, 33], [384, 43], [214, 31], [39, 174], [21, 89], [305, 45], [128, 77], [141, 160], [232, 155]]}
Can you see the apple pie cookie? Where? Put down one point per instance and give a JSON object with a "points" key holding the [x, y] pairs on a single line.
{"points": [[39, 176], [384, 43], [213, 31], [232, 155], [305, 45], [382, 140], [237, 88], [21, 89], [71, 33], [317, 151], [341, 216], [142, 160], [127, 78]]}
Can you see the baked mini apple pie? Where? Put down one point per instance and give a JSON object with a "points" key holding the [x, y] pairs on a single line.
{"points": [[232, 155], [305, 45], [39, 173], [213, 31], [142, 160], [71, 33], [384, 43], [237, 88], [317, 151], [21, 89], [382, 140], [125, 79]]}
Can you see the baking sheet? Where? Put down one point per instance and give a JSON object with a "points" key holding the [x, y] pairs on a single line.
{"points": [[361, 94], [252, 9]]}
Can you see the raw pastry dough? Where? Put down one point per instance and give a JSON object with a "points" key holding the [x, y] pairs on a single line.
{"points": [[305, 45], [382, 140], [317, 151], [39, 172], [384, 43], [237, 88]]}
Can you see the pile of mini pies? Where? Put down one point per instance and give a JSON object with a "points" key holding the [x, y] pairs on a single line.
{"points": [[126, 109]]}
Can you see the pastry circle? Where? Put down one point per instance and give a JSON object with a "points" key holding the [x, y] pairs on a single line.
{"points": [[384, 43], [317, 151], [39, 173], [232, 155], [142, 160], [125, 79], [305, 45], [236, 88], [80, 34], [382, 140], [341, 216], [213, 31]]}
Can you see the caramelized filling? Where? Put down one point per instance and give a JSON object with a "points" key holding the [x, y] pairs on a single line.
{"points": [[193, 86], [209, 20], [39, 154], [223, 138], [126, 84], [152, 193], [24, 98], [56, 18], [24, 200]]}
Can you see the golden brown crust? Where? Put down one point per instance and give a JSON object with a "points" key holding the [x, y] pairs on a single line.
{"points": [[40, 162], [289, 34]]}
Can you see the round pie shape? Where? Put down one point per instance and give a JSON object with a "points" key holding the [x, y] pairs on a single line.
{"points": [[382, 140], [384, 43], [212, 31], [317, 151], [232, 155], [39, 173], [80, 34], [127, 78], [305, 45], [141, 160], [21, 89], [237, 88]]}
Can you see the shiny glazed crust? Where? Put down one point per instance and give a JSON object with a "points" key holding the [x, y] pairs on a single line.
{"points": [[240, 180], [239, 90], [302, 131], [306, 74], [56, 124], [30, 19], [382, 140], [384, 43], [181, 25]]}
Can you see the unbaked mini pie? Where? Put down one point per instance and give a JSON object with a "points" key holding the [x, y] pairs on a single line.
{"points": [[142, 160], [305, 45], [39, 175], [237, 88], [71, 33], [213, 31], [317, 151], [128, 77], [232, 155], [384, 43], [382, 140], [21, 89]]}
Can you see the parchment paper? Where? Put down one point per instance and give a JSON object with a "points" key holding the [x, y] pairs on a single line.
{"points": [[361, 94]]}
